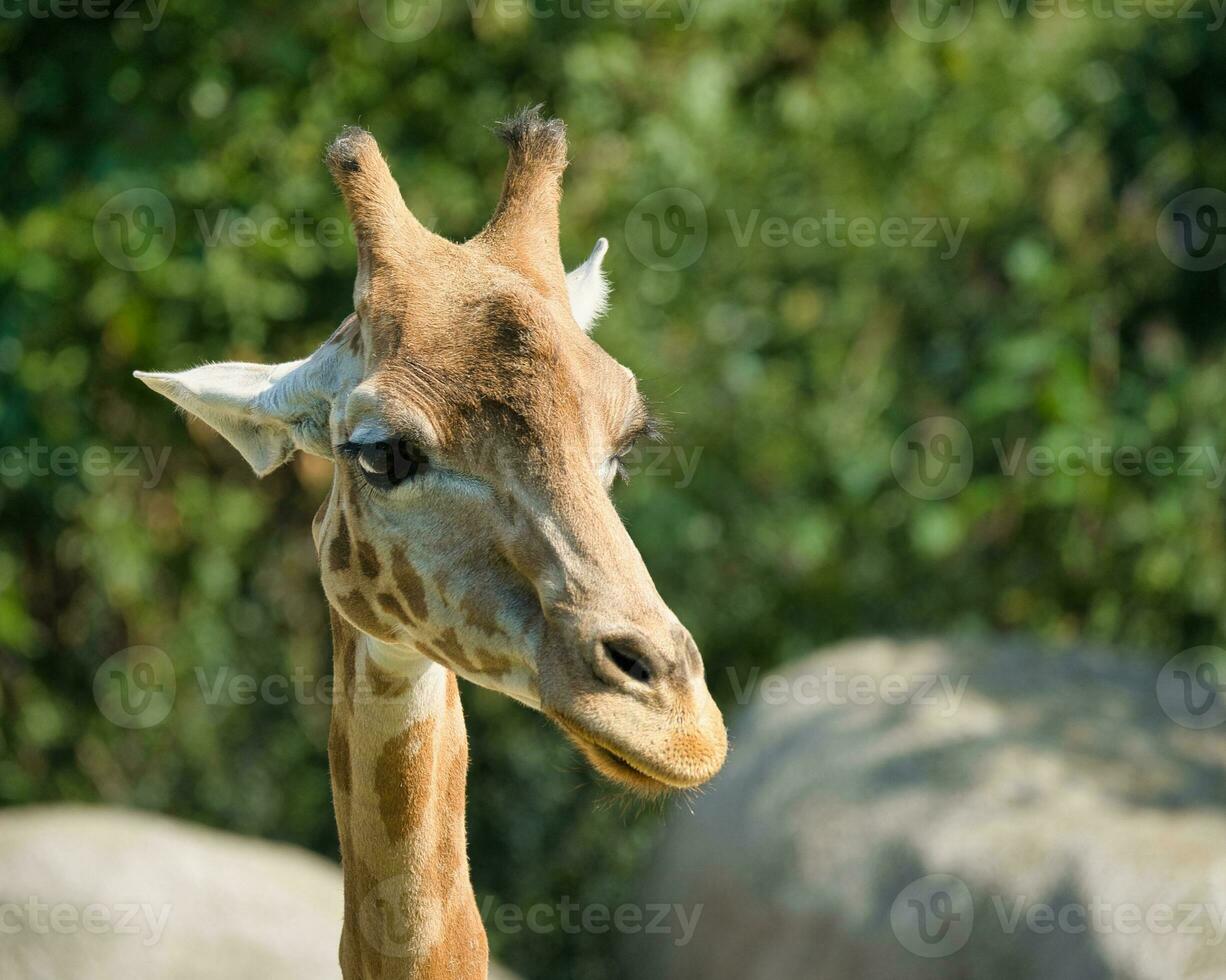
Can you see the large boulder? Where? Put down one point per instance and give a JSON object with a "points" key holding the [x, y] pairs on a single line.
{"points": [[962, 811], [106, 893]]}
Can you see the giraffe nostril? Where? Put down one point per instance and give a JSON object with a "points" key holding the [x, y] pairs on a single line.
{"points": [[628, 662]]}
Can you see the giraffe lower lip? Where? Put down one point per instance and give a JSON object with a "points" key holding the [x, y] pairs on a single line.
{"points": [[616, 766]]}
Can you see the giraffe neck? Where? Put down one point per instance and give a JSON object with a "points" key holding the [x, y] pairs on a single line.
{"points": [[399, 756]]}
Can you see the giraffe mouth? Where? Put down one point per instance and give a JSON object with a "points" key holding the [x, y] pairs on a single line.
{"points": [[615, 766]]}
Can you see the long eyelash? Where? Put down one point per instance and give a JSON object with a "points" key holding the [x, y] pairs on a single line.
{"points": [[351, 451], [646, 429], [650, 425], [367, 490]]}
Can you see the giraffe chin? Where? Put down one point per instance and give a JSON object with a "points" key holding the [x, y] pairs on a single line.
{"points": [[617, 768]]}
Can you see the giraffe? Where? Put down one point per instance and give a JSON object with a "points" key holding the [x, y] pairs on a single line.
{"points": [[475, 429]]}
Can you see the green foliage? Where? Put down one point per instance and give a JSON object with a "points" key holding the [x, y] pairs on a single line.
{"points": [[791, 367]]}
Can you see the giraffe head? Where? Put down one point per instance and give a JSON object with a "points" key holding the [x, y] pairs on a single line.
{"points": [[476, 429]]}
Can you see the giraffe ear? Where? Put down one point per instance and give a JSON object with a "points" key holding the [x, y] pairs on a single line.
{"points": [[265, 411], [588, 288]]}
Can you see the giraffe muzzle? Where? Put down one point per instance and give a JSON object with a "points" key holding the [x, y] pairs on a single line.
{"points": [[639, 711]]}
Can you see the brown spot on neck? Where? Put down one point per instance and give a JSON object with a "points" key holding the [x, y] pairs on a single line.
{"points": [[404, 775], [338, 759]]}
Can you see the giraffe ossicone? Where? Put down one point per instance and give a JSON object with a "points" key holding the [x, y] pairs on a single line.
{"points": [[476, 429]]}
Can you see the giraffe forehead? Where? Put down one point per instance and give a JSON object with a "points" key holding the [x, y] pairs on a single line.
{"points": [[530, 396], [486, 350]]}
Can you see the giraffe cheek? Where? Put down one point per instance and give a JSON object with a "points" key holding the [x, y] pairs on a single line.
{"points": [[339, 547], [393, 607], [410, 586]]}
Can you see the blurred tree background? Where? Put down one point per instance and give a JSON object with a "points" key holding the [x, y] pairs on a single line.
{"points": [[791, 365]]}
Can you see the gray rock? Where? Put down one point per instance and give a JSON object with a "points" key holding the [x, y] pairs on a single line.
{"points": [[1028, 815]]}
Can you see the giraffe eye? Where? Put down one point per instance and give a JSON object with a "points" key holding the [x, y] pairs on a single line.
{"points": [[385, 465]]}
